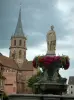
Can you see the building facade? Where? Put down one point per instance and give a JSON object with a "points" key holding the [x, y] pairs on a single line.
{"points": [[17, 69], [70, 89], [2, 79]]}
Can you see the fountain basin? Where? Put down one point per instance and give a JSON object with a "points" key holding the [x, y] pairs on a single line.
{"points": [[50, 88]]}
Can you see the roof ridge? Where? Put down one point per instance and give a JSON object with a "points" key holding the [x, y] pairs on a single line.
{"points": [[8, 62]]}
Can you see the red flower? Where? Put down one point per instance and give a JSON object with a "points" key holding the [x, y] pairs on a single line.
{"points": [[34, 63], [41, 60], [66, 66], [47, 61]]}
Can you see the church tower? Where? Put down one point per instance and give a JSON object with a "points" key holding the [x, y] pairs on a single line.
{"points": [[18, 43]]}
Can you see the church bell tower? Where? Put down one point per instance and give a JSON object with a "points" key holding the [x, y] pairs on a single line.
{"points": [[18, 43]]}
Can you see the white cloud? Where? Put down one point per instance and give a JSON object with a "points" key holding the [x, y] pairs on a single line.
{"points": [[42, 49], [66, 7], [63, 6], [66, 11], [37, 14], [67, 73], [39, 50], [67, 40], [5, 52], [66, 46]]}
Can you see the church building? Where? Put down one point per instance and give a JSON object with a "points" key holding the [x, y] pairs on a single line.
{"points": [[16, 68]]}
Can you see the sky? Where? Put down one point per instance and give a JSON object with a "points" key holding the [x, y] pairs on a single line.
{"points": [[37, 17]]}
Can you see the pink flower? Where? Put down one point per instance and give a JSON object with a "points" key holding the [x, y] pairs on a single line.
{"points": [[46, 61]]}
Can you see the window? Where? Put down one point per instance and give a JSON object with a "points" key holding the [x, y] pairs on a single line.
{"points": [[13, 54], [71, 86], [71, 92], [10, 53], [24, 43], [7, 70], [8, 84], [20, 42], [48, 43], [20, 54], [24, 53], [14, 42]]}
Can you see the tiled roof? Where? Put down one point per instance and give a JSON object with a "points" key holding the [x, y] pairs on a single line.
{"points": [[27, 66], [71, 80], [8, 62]]}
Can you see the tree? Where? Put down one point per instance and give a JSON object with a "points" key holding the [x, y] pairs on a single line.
{"points": [[34, 79]]}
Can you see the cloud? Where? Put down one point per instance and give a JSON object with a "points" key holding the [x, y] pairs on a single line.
{"points": [[5, 52], [66, 7], [42, 49], [66, 44], [37, 16], [38, 50], [67, 73], [35, 38]]}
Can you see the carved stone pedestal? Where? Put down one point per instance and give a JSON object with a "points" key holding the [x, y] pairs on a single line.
{"points": [[50, 88]]}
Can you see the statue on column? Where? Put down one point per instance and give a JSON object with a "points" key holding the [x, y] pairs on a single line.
{"points": [[51, 41]]}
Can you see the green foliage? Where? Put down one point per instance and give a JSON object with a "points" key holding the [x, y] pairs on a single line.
{"points": [[34, 79], [4, 96]]}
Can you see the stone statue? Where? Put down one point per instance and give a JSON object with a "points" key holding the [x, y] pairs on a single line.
{"points": [[51, 41], [52, 27]]}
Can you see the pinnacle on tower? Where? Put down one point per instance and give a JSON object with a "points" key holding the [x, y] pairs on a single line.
{"points": [[19, 29]]}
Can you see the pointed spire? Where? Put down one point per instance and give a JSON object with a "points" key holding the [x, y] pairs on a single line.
{"points": [[19, 29]]}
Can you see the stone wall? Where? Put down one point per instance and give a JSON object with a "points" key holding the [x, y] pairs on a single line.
{"points": [[40, 97], [10, 86]]}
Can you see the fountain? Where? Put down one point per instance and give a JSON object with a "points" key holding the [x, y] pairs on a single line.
{"points": [[50, 84], [50, 81]]}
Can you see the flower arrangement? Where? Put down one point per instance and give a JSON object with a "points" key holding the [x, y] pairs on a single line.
{"points": [[47, 61]]}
